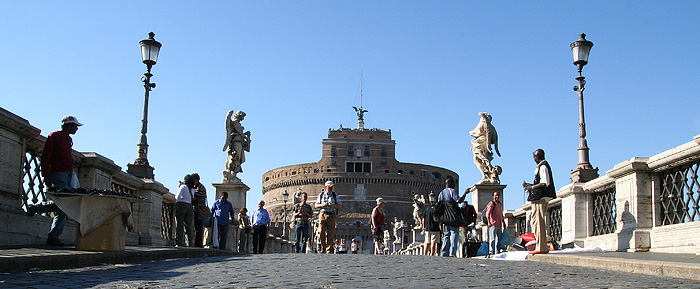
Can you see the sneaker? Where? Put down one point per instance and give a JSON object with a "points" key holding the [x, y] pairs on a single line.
{"points": [[54, 242], [31, 210]]}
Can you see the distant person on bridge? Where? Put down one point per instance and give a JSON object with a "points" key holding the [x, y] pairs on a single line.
{"points": [[329, 203], [260, 218]]}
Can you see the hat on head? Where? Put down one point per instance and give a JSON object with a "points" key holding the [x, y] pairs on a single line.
{"points": [[329, 184], [380, 201], [70, 119]]}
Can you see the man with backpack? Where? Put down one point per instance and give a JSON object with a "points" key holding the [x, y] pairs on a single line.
{"points": [[495, 223], [329, 203]]}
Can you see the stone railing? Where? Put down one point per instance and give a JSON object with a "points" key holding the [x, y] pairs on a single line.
{"points": [[642, 204], [21, 183]]}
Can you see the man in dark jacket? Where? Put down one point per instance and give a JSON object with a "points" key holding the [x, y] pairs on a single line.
{"points": [[541, 191]]}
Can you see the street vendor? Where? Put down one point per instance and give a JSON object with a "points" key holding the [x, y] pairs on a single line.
{"points": [[57, 170]]}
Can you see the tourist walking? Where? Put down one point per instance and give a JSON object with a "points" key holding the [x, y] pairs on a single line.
{"points": [[222, 210], [244, 230], [431, 228], [343, 247], [57, 169], [378, 225], [450, 239], [184, 214], [353, 246], [302, 216], [260, 219], [201, 210], [329, 203], [541, 191], [495, 223]]}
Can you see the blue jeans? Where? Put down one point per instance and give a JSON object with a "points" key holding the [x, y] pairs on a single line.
{"points": [[495, 239], [450, 240], [60, 180], [223, 234], [302, 234]]}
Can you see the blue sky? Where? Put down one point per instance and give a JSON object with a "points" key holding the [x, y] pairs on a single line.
{"points": [[294, 68]]}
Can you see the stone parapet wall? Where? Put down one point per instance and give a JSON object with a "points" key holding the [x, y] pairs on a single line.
{"points": [[637, 206], [21, 183]]}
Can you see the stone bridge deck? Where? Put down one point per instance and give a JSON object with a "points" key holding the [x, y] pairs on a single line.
{"points": [[139, 267]]}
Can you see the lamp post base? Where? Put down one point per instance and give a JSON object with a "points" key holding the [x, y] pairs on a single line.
{"points": [[581, 175], [142, 171]]}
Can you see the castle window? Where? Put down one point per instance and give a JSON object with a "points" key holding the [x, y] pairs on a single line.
{"points": [[383, 161], [350, 150], [422, 173], [333, 161], [436, 175], [400, 172], [366, 150], [383, 151], [333, 150], [358, 167], [412, 173], [386, 171]]}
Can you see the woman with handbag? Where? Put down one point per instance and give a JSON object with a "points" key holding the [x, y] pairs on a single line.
{"points": [[243, 231]]}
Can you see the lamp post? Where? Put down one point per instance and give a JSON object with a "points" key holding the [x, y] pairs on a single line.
{"points": [[149, 54], [584, 171], [285, 198]]}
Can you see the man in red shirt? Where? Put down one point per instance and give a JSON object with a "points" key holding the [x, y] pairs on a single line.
{"points": [[57, 169], [496, 223]]}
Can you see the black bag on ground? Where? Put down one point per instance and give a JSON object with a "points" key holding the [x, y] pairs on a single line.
{"points": [[449, 213], [471, 248]]}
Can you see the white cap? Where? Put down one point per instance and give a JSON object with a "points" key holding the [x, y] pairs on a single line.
{"points": [[329, 184], [380, 200], [70, 119]]}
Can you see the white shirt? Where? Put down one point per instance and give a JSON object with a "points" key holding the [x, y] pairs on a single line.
{"points": [[184, 195], [544, 174]]}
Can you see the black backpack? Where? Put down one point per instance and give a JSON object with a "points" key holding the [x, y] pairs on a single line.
{"points": [[483, 214]]}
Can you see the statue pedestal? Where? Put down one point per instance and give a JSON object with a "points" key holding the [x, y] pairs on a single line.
{"points": [[417, 237], [236, 193], [237, 196], [483, 194]]}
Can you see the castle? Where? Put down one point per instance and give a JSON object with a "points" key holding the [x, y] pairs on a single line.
{"points": [[362, 164]]}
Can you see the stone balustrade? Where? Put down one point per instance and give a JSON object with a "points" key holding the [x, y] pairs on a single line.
{"points": [[21, 184], [642, 204]]}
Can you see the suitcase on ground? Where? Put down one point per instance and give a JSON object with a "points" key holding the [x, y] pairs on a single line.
{"points": [[472, 248]]}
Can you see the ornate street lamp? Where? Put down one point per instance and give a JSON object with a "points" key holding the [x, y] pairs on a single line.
{"points": [[584, 172], [285, 198], [149, 53]]}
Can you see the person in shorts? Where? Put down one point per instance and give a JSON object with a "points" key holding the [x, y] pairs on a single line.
{"points": [[431, 228]]}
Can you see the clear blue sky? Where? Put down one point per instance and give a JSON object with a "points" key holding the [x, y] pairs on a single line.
{"points": [[294, 68]]}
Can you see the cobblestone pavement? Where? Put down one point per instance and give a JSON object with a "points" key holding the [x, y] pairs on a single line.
{"points": [[335, 271]]}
